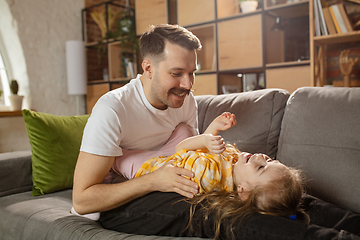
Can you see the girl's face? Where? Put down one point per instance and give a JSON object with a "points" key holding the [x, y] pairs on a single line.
{"points": [[254, 170]]}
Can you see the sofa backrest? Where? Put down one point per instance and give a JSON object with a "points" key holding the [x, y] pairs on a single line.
{"points": [[321, 135], [258, 115]]}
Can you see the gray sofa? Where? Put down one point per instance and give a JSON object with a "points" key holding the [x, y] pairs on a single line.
{"points": [[314, 129]]}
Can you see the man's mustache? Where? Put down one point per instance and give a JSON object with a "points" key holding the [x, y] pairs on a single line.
{"points": [[177, 90]]}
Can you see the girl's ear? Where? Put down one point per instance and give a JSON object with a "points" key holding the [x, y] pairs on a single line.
{"points": [[242, 192]]}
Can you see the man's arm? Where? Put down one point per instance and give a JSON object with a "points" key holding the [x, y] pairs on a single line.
{"points": [[91, 195], [210, 139]]}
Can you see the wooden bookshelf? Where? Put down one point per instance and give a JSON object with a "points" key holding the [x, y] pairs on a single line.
{"points": [[320, 43], [150, 11], [338, 38], [106, 68], [236, 43]]}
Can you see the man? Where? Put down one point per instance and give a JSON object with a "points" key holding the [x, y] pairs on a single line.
{"points": [[140, 116]]}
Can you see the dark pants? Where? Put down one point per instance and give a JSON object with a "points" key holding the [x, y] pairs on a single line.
{"points": [[166, 214]]}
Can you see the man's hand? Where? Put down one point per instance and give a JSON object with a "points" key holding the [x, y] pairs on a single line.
{"points": [[169, 178]]}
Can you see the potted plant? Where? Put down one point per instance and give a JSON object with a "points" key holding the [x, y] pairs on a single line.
{"points": [[15, 99], [248, 5]]}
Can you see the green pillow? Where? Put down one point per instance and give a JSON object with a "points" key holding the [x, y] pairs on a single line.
{"points": [[55, 143]]}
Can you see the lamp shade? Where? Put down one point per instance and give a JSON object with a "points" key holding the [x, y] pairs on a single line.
{"points": [[76, 67]]}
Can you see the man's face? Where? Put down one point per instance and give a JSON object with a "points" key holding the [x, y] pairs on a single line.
{"points": [[254, 170], [173, 77]]}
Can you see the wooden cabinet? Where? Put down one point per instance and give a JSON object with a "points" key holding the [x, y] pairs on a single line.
{"points": [[191, 12], [276, 43], [154, 12], [111, 60], [289, 78], [232, 41], [94, 92], [320, 43], [235, 44], [205, 84], [240, 43], [248, 43], [287, 44], [150, 12], [227, 8], [206, 58]]}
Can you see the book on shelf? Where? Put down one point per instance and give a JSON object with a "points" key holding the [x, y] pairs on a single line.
{"points": [[336, 24], [337, 18], [316, 19], [130, 68], [345, 17], [323, 28], [328, 20]]}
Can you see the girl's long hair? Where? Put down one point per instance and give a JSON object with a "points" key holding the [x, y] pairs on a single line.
{"points": [[280, 197]]}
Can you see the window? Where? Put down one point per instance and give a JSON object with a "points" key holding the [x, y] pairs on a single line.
{"points": [[4, 86], [12, 59]]}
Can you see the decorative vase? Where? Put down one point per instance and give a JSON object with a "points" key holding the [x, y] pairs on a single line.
{"points": [[15, 102], [248, 6]]}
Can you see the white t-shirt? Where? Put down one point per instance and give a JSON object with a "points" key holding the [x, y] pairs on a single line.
{"points": [[123, 118]]}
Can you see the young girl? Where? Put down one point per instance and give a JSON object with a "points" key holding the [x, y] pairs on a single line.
{"points": [[216, 166], [233, 184], [204, 155]]}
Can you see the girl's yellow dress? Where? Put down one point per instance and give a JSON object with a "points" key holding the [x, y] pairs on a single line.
{"points": [[212, 171]]}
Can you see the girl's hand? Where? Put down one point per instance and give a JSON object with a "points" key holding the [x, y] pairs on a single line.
{"points": [[215, 144], [225, 121], [221, 123]]}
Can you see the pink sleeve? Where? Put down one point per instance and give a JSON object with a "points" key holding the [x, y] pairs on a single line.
{"points": [[131, 160]]}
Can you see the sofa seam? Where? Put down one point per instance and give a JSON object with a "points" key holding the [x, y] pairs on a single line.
{"points": [[205, 113], [320, 145], [271, 123]]}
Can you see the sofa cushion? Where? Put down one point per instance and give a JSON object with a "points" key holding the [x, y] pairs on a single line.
{"points": [[55, 143], [48, 217], [258, 115], [321, 135]]}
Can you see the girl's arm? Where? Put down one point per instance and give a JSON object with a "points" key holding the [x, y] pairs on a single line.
{"points": [[214, 144], [221, 123]]}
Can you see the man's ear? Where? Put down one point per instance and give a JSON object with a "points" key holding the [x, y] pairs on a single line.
{"points": [[243, 192], [147, 67]]}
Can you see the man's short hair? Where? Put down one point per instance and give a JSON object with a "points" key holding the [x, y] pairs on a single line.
{"points": [[153, 41]]}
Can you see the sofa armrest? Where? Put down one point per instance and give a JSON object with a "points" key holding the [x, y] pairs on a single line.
{"points": [[15, 172]]}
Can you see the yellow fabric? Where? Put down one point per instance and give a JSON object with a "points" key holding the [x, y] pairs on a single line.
{"points": [[212, 171]]}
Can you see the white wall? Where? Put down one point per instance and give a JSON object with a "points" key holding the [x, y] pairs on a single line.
{"points": [[43, 27]]}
